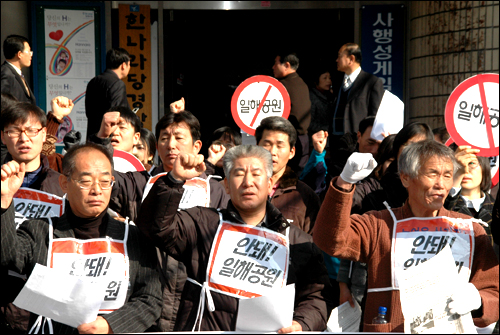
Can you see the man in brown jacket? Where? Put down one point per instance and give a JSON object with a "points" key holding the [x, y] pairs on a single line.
{"points": [[296, 201], [426, 170], [285, 70]]}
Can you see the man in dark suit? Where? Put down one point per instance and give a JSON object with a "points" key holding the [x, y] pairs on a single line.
{"points": [[359, 95], [107, 89], [18, 54]]}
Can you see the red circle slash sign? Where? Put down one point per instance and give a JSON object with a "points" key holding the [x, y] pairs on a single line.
{"points": [[475, 119], [256, 98]]}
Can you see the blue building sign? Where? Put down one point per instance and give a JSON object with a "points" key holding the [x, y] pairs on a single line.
{"points": [[382, 43]]}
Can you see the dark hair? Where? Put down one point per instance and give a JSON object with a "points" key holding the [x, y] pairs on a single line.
{"points": [[316, 72], [484, 162], [8, 100], [442, 134], [21, 112], [227, 134], [62, 60], [365, 123], [116, 57], [149, 140], [12, 45], [352, 49], [409, 131], [68, 162], [385, 151], [128, 116], [290, 57], [277, 123], [184, 116]]}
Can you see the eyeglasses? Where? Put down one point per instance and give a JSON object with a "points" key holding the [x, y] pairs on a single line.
{"points": [[87, 184], [473, 165], [28, 52], [30, 132]]}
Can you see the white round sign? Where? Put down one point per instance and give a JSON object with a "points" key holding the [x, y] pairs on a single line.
{"points": [[256, 98]]}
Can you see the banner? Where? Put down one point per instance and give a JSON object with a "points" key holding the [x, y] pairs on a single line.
{"points": [[382, 45], [135, 37]]}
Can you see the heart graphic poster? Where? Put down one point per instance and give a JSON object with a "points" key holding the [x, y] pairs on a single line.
{"points": [[70, 62]]}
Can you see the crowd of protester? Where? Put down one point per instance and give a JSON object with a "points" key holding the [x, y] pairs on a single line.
{"points": [[337, 210]]}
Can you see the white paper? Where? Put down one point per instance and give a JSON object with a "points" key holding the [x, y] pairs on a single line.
{"points": [[389, 118], [267, 313], [345, 318], [63, 298], [425, 292]]}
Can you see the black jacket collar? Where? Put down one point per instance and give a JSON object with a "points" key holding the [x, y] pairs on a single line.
{"points": [[274, 219]]}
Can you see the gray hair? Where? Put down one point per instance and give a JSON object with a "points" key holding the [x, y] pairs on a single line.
{"points": [[244, 151], [416, 154]]}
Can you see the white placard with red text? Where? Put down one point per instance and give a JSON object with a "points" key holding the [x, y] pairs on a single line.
{"points": [[247, 261], [34, 204], [418, 239], [196, 191]]}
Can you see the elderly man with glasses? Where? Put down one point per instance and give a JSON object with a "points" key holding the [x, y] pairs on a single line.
{"points": [[85, 234]]}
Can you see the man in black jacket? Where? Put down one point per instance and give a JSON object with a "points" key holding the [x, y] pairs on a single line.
{"points": [[359, 95], [87, 181], [190, 236], [107, 89], [24, 133], [18, 54]]}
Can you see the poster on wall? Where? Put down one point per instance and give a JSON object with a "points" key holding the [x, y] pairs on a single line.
{"points": [[68, 45], [69, 62]]}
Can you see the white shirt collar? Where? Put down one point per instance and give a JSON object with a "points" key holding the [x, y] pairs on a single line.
{"points": [[476, 203], [15, 68], [353, 75]]}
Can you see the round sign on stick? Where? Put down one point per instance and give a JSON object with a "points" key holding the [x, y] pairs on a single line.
{"points": [[471, 114], [256, 98], [125, 162]]}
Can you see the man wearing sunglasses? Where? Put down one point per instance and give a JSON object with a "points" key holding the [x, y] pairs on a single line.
{"points": [[18, 54]]}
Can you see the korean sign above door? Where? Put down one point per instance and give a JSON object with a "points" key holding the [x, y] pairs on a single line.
{"points": [[382, 44], [135, 37]]}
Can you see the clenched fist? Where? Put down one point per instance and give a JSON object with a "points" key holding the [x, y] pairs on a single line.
{"points": [[12, 176], [187, 166]]}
